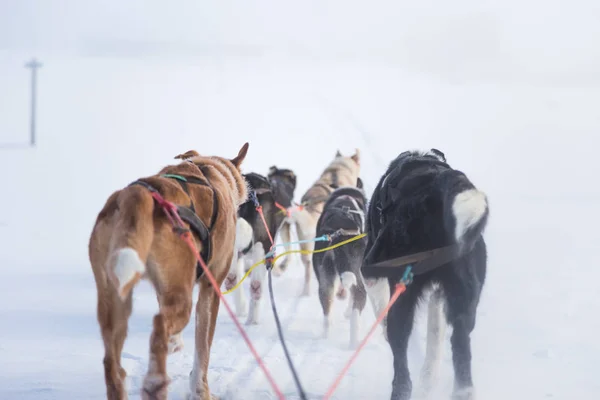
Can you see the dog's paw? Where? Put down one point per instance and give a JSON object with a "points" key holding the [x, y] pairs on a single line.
{"points": [[198, 396], [175, 343], [467, 393], [155, 387], [201, 397]]}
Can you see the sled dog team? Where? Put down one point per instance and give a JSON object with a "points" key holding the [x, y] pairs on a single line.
{"points": [[420, 203]]}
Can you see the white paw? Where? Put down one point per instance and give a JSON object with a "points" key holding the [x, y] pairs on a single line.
{"points": [[464, 394], [253, 313]]}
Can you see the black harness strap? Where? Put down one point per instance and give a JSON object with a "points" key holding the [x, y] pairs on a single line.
{"points": [[425, 261], [188, 213]]}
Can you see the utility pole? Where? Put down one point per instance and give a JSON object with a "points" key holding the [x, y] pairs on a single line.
{"points": [[34, 65]]}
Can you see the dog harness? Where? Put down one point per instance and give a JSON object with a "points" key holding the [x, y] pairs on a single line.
{"points": [[188, 213]]}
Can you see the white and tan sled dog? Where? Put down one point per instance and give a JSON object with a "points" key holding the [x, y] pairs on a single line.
{"points": [[341, 171]]}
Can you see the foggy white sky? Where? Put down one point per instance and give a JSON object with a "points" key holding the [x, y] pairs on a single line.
{"points": [[543, 40]]}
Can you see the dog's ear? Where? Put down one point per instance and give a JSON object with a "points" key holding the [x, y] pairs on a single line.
{"points": [[187, 154], [338, 153], [356, 156], [359, 183], [237, 161], [272, 170], [439, 154]]}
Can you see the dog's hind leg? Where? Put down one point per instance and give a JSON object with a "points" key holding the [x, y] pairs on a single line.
{"points": [[327, 283], [175, 307], [156, 381], [399, 327], [257, 280], [461, 312], [113, 314], [207, 310], [436, 328], [356, 305], [346, 266]]}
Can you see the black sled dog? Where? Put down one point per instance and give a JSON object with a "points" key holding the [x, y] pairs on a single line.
{"points": [[274, 194], [343, 217], [421, 204]]}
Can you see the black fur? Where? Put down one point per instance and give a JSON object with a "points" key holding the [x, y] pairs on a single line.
{"points": [[279, 187], [283, 183], [340, 212], [411, 211]]}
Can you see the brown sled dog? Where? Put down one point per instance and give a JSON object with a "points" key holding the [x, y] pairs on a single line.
{"points": [[133, 239], [342, 171]]}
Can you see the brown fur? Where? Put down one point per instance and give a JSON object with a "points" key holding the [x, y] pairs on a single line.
{"points": [[131, 219], [347, 171]]}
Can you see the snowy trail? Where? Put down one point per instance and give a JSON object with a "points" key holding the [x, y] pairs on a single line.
{"points": [[531, 148]]}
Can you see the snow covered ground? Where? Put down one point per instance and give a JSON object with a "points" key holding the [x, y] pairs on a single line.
{"points": [[515, 107]]}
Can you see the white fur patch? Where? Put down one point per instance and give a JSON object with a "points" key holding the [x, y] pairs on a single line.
{"points": [[348, 279], [378, 291], [436, 329], [243, 234], [127, 266], [468, 208], [467, 393]]}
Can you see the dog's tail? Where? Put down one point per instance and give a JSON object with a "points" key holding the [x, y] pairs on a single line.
{"points": [[465, 210], [132, 238]]}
